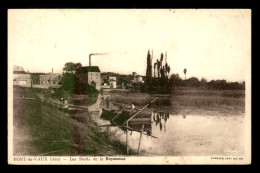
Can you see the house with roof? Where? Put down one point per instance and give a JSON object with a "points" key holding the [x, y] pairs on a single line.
{"points": [[20, 77], [90, 75]]}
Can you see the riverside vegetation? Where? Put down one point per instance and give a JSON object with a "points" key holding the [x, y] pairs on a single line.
{"points": [[41, 129]]}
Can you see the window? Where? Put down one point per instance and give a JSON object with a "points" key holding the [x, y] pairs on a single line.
{"points": [[97, 76]]}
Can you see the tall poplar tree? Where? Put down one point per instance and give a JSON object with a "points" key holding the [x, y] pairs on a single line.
{"points": [[149, 69]]}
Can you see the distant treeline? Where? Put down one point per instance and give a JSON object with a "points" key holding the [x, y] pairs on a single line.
{"points": [[162, 82], [176, 81]]}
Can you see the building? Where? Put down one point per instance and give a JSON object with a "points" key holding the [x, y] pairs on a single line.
{"points": [[17, 68], [36, 78], [138, 79], [20, 77], [90, 75], [112, 82], [50, 79]]}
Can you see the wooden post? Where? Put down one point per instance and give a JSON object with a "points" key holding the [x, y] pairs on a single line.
{"points": [[107, 102], [127, 150], [141, 134]]}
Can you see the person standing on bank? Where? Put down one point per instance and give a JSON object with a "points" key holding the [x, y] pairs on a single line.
{"points": [[61, 100], [66, 105]]}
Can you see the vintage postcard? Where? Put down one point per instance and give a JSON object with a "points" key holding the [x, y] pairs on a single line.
{"points": [[129, 86]]}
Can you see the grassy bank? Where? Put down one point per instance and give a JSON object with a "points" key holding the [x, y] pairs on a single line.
{"points": [[41, 129], [192, 101]]}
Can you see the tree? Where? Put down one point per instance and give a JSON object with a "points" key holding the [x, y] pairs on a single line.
{"points": [[158, 67], [154, 68], [68, 82], [70, 67], [162, 72], [203, 82], [192, 82], [149, 69], [185, 71], [161, 66], [167, 69], [221, 84], [175, 80], [93, 83], [160, 82]]}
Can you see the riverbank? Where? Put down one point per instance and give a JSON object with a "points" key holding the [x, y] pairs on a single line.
{"points": [[41, 129]]}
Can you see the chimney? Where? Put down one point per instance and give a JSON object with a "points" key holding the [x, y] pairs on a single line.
{"points": [[52, 71], [94, 54]]}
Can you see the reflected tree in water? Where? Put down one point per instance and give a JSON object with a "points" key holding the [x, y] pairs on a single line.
{"points": [[158, 117]]}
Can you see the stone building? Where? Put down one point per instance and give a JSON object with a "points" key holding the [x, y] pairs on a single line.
{"points": [[90, 75]]}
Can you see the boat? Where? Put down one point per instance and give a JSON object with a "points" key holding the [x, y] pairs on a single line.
{"points": [[118, 117]]}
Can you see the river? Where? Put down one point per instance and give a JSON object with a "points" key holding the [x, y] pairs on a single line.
{"points": [[183, 135]]}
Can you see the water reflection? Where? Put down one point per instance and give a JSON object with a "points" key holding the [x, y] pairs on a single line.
{"points": [[181, 134], [160, 120], [137, 125]]}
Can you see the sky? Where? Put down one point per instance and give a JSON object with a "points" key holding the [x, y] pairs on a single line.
{"points": [[214, 44]]}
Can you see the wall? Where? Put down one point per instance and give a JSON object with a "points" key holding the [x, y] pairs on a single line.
{"points": [[22, 80], [52, 80], [96, 77], [112, 84]]}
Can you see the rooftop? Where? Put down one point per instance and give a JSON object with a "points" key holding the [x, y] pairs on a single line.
{"points": [[88, 69], [20, 72]]}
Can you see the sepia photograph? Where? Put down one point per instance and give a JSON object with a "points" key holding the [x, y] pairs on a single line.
{"points": [[129, 86]]}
